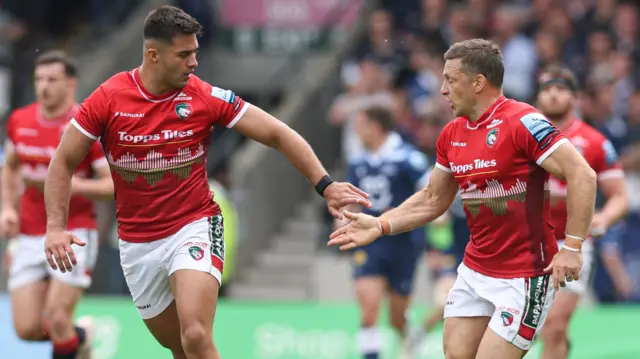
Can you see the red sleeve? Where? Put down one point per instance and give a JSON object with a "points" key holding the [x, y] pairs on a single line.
{"points": [[606, 164], [226, 106], [537, 137], [442, 145], [93, 115], [96, 156]]}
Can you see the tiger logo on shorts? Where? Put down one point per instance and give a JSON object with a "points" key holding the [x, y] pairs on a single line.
{"points": [[196, 252]]}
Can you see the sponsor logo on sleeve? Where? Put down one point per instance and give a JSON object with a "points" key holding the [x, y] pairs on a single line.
{"points": [[610, 154], [540, 128], [225, 95]]}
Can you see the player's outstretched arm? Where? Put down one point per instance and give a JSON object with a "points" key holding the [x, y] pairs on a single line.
{"points": [[567, 163], [73, 148], [421, 208], [260, 126], [424, 206]]}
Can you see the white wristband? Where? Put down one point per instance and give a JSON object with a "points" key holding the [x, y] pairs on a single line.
{"points": [[574, 237], [380, 226], [571, 249]]}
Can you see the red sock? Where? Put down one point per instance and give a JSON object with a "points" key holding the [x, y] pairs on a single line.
{"points": [[66, 349]]}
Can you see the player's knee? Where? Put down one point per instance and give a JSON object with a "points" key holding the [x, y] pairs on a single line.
{"points": [[554, 331], [30, 331], [195, 338], [59, 320], [457, 351], [397, 320]]}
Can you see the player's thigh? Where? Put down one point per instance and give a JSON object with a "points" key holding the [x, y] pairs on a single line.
{"points": [[562, 309], [401, 281], [370, 282], [165, 328], [521, 308], [145, 271], [495, 346], [466, 316], [196, 274], [27, 308], [60, 305], [462, 336], [196, 294]]}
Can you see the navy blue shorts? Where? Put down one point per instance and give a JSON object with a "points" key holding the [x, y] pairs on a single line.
{"points": [[392, 258]]}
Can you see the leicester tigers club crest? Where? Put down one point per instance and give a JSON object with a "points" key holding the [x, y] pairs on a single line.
{"points": [[183, 110], [196, 252], [492, 137]]}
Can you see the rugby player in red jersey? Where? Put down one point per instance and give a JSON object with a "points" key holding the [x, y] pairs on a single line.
{"points": [[155, 125], [557, 101], [499, 153], [43, 301]]}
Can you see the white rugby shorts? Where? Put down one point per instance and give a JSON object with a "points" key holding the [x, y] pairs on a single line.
{"points": [[147, 266], [581, 286], [29, 262], [518, 307]]}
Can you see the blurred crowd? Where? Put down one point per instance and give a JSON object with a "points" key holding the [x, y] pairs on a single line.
{"points": [[399, 64], [27, 27]]}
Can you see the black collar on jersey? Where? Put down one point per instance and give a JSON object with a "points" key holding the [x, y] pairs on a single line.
{"points": [[558, 81]]}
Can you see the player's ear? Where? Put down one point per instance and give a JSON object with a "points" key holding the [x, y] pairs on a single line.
{"points": [[479, 82], [151, 51]]}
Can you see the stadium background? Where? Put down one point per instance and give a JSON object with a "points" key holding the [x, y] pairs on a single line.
{"points": [[312, 63]]}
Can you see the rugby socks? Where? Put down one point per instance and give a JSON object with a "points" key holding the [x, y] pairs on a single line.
{"points": [[369, 342], [68, 349]]}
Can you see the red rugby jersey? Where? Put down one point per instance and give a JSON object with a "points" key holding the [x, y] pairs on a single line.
{"points": [[601, 156], [505, 193], [156, 147], [34, 140]]}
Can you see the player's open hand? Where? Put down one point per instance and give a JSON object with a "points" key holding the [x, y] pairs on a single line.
{"points": [[57, 247], [362, 230], [565, 267], [9, 223], [340, 194]]}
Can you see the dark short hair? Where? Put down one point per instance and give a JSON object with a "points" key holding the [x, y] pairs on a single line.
{"points": [[58, 57], [166, 22], [380, 115], [560, 74], [479, 56]]}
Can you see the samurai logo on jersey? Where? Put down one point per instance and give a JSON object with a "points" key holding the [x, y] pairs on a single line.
{"points": [[475, 165]]}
